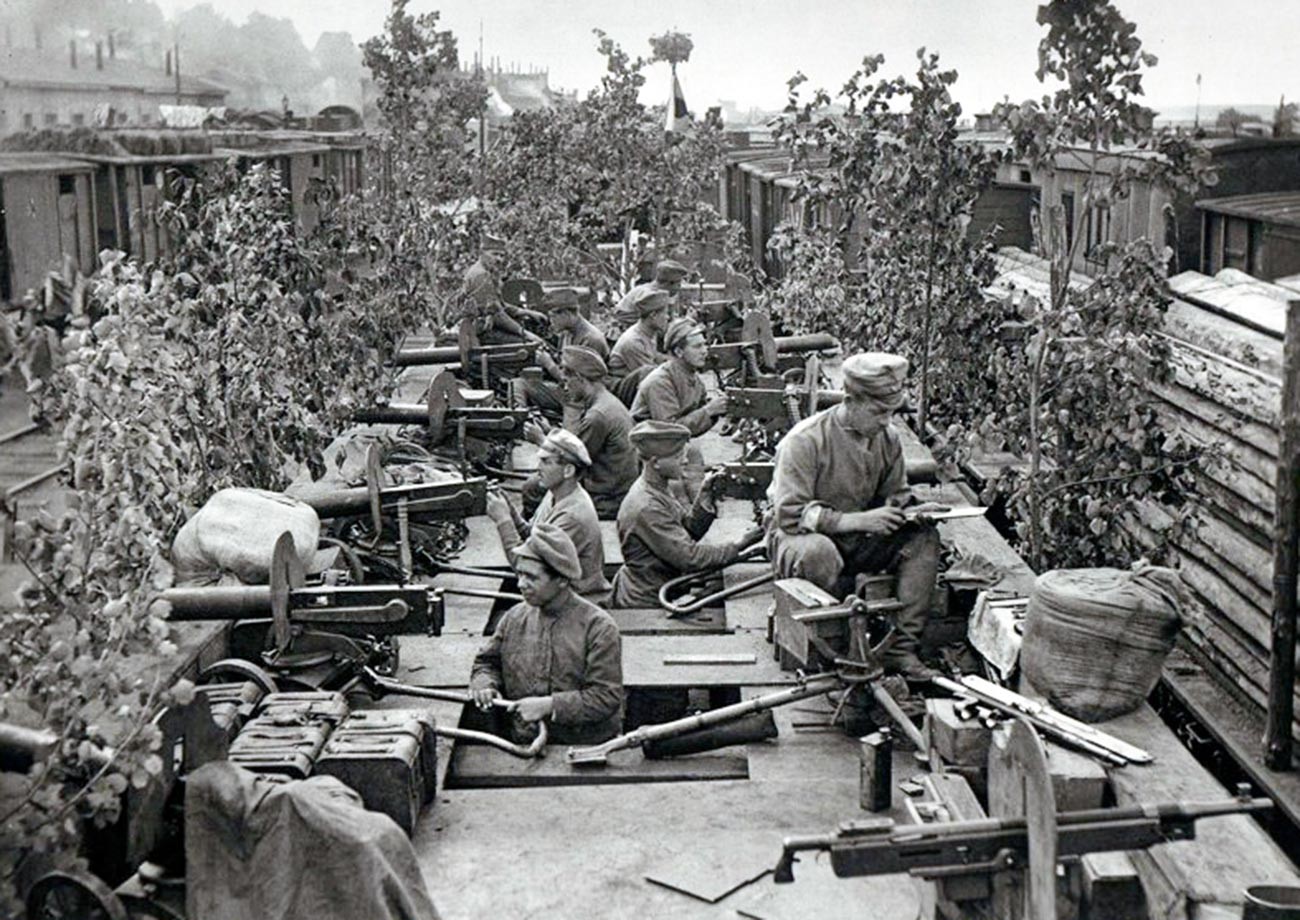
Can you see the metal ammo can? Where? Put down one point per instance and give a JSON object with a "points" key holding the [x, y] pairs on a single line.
{"points": [[875, 776]]}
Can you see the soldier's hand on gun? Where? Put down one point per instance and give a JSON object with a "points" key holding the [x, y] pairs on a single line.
{"points": [[483, 697], [881, 521], [532, 708], [534, 431], [752, 536], [498, 506], [717, 405]]}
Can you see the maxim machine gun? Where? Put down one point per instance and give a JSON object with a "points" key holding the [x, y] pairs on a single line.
{"points": [[759, 357], [451, 420], [475, 362], [1028, 846]]}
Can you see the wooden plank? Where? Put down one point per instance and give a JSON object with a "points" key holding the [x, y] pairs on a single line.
{"points": [[476, 766], [1112, 889], [654, 621], [1193, 878], [643, 661], [818, 893], [613, 548], [720, 658]]}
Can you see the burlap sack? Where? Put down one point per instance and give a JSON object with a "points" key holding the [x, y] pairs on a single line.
{"points": [[1096, 639], [232, 536]]}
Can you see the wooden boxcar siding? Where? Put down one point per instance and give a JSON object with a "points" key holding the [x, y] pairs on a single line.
{"points": [[1227, 563], [1267, 251], [43, 225]]}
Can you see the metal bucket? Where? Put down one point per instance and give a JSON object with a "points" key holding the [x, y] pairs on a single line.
{"points": [[1272, 902]]}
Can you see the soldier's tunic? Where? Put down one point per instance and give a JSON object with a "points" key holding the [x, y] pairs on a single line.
{"points": [[503, 330], [825, 469], [586, 335], [672, 392], [603, 427], [576, 516], [572, 654], [660, 540], [635, 354]]}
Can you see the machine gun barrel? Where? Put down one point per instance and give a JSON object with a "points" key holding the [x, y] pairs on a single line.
{"points": [[879, 847]]}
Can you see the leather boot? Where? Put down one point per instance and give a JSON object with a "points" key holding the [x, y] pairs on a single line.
{"points": [[918, 567]]}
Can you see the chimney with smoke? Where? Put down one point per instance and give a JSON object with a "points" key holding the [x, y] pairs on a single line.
{"points": [[72, 53]]}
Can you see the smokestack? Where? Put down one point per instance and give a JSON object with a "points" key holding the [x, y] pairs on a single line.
{"points": [[99, 55], [112, 47], [72, 53], [169, 62]]}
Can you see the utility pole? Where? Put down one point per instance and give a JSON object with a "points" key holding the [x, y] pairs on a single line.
{"points": [[482, 118], [1196, 121], [176, 56]]}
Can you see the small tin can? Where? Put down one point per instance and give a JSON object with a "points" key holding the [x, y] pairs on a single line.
{"points": [[875, 775]]}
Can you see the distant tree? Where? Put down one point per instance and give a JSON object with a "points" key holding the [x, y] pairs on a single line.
{"points": [[1232, 119], [1284, 118], [568, 178], [673, 47], [1075, 398]]}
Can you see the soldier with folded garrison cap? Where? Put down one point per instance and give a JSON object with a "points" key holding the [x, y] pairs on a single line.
{"points": [[562, 461], [636, 352], [494, 321], [570, 328], [604, 426], [837, 494], [557, 656], [673, 391], [668, 278], [660, 537]]}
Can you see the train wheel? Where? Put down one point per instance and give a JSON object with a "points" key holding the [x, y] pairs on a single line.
{"points": [[232, 669], [73, 896]]}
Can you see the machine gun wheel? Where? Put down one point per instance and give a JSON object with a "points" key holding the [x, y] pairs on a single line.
{"points": [[73, 895], [230, 669]]}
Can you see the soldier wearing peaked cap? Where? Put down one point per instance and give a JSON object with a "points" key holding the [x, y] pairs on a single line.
{"points": [[660, 537], [837, 492], [562, 461], [556, 655], [487, 319], [636, 352]]}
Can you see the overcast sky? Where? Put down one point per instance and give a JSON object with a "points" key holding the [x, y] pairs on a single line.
{"points": [[746, 49]]}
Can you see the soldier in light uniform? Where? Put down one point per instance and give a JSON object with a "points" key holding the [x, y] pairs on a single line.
{"points": [[557, 656], [660, 537], [837, 496], [562, 460]]}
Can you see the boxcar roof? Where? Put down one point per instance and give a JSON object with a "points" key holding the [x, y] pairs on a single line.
{"points": [[39, 161], [1270, 207]]}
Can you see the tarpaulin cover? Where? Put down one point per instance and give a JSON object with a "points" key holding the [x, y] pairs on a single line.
{"points": [[306, 850], [1096, 639]]}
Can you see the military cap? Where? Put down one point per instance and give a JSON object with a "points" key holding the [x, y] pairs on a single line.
{"points": [[658, 439], [876, 374], [671, 270], [567, 446], [584, 362], [490, 243], [560, 299], [551, 546], [679, 330], [647, 299]]}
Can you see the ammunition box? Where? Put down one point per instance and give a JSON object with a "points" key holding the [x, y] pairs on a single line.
{"points": [[385, 768], [265, 746], [414, 722], [305, 708]]}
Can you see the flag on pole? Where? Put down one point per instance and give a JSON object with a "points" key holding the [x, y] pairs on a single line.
{"points": [[678, 118]]}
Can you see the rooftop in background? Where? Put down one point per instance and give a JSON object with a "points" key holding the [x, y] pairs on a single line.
{"points": [[39, 161], [1271, 207], [52, 68]]}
